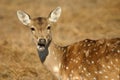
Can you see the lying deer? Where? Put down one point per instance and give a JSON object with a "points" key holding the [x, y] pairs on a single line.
{"points": [[83, 60]]}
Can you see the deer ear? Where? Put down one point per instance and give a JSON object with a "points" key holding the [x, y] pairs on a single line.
{"points": [[55, 14], [23, 17]]}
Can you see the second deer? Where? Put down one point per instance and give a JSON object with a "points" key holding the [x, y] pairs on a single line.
{"points": [[83, 60]]}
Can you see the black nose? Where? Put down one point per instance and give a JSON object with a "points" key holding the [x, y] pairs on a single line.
{"points": [[42, 41]]}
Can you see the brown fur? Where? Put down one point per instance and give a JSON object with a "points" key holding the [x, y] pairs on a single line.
{"points": [[92, 60]]}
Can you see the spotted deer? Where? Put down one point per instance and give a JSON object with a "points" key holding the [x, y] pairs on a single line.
{"points": [[84, 60]]}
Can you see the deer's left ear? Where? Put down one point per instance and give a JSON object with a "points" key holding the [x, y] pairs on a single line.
{"points": [[55, 14], [23, 17]]}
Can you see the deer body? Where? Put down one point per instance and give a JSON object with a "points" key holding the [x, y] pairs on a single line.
{"points": [[92, 60], [83, 60]]}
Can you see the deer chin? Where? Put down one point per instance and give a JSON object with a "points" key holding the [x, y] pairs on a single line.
{"points": [[41, 47]]}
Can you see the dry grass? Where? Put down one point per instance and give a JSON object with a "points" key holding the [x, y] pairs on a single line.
{"points": [[80, 19]]}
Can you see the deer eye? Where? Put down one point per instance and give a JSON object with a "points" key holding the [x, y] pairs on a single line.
{"points": [[33, 29], [48, 27]]}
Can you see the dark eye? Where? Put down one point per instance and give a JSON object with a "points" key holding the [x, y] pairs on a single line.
{"points": [[48, 27], [33, 29]]}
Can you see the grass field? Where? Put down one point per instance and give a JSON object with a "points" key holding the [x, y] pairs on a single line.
{"points": [[80, 19]]}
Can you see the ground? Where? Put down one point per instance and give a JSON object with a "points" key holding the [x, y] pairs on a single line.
{"points": [[80, 19]]}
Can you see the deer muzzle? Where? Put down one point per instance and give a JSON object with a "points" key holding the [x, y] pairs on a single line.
{"points": [[41, 44]]}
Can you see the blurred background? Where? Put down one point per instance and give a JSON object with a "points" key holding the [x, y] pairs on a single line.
{"points": [[80, 19]]}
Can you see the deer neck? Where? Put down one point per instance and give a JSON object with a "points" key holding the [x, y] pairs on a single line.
{"points": [[51, 58]]}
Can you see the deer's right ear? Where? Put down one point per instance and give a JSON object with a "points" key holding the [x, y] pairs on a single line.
{"points": [[23, 17]]}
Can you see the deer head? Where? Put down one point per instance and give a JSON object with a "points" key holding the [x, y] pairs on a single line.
{"points": [[40, 27]]}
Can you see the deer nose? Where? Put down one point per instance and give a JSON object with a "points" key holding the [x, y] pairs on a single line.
{"points": [[42, 41]]}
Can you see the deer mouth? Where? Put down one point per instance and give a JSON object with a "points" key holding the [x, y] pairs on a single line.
{"points": [[41, 46]]}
